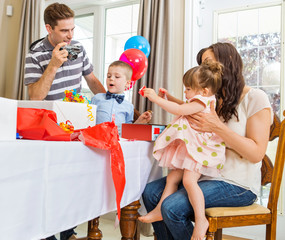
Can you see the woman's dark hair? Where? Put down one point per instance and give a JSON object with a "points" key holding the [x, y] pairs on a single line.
{"points": [[55, 12], [232, 79]]}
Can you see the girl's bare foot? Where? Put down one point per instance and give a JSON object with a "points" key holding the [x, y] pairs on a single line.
{"points": [[153, 216], [200, 229]]}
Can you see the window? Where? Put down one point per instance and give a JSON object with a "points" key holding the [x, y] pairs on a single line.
{"points": [[257, 37], [119, 23], [83, 33]]}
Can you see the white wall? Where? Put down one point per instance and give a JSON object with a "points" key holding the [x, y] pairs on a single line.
{"points": [[197, 37]]}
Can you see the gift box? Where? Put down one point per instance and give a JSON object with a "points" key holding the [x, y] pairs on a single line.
{"points": [[80, 115], [145, 132], [8, 119]]}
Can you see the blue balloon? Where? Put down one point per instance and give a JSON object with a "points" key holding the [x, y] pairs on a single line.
{"points": [[138, 42]]}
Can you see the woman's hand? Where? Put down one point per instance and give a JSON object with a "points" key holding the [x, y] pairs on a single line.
{"points": [[162, 93], [205, 122]]}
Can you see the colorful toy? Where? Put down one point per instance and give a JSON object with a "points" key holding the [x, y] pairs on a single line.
{"points": [[73, 96], [141, 91], [67, 126]]}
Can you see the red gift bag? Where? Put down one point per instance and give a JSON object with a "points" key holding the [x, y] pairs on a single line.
{"points": [[105, 136], [39, 124]]}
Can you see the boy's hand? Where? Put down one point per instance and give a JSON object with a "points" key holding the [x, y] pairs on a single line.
{"points": [[144, 117]]}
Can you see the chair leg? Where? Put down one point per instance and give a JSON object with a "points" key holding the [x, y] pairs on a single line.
{"points": [[210, 235], [271, 231], [215, 235]]}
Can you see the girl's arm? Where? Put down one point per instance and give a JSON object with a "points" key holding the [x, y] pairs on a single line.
{"points": [[163, 92], [252, 146], [172, 107]]}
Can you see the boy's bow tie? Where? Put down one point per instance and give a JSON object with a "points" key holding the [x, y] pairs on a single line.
{"points": [[119, 98]]}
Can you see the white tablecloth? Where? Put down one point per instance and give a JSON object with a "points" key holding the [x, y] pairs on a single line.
{"points": [[47, 187]]}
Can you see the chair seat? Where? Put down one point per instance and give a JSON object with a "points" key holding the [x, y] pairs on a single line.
{"points": [[236, 211]]}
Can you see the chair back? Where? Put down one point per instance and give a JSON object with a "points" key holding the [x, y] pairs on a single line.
{"points": [[273, 174]]}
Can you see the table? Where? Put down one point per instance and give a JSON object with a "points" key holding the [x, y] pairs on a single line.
{"points": [[47, 187]]}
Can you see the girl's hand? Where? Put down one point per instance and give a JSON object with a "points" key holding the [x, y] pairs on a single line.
{"points": [[162, 93], [150, 94], [205, 122]]}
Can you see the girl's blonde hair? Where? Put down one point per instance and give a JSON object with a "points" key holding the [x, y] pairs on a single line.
{"points": [[206, 75]]}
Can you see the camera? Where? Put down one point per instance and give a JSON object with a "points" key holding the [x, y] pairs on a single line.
{"points": [[73, 51]]}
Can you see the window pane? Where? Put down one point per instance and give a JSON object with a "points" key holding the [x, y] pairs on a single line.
{"points": [[83, 33], [250, 69], [115, 46], [119, 20], [227, 30], [248, 28]]}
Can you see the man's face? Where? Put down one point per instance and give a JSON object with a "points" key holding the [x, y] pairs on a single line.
{"points": [[62, 32]]}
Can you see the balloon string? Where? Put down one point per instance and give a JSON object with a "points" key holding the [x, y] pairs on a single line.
{"points": [[90, 116]]}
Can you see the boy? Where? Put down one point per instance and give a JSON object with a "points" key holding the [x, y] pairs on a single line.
{"points": [[118, 80]]}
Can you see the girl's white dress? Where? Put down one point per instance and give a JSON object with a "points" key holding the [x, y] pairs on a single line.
{"points": [[180, 146]]}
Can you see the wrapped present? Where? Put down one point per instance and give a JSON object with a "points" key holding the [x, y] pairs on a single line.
{"points": [[81, 115], [144, 132]]}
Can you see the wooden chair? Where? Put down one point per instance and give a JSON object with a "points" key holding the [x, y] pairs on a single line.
{"points": [[228, 217]]}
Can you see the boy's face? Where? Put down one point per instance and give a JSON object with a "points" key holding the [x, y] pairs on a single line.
{"points": [[62, 32], [117, 81]]}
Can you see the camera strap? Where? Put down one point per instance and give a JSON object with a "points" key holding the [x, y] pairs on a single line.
{"points": [[35, 42]]}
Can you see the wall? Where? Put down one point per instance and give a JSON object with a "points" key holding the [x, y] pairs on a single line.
{"points": [[9, 27]]}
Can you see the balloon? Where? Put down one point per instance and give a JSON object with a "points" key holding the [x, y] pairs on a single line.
{"points": [[138, 42], [137, 60]]}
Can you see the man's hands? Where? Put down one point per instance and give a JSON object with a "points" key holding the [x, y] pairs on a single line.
{"points": [[58, 56]]}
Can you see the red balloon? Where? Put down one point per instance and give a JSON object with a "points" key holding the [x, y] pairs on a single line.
{"points": [[137, 60]]}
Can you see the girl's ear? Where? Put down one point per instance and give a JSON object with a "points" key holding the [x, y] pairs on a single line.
{"points": [[205, 91]]}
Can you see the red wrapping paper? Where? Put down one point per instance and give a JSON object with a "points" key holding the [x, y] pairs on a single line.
{"points": [[105, 136], [39, 124]]}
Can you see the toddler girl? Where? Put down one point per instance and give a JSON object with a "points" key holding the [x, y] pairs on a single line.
{"points": [[187, 152]]}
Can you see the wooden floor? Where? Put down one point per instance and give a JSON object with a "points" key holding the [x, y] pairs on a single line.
{"points": [[227, 237]]}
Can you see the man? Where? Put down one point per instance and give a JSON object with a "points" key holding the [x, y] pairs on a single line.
{"points": [[49, 72]]}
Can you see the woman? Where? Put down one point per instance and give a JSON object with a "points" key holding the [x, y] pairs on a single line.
{"points": [[240, 114]]}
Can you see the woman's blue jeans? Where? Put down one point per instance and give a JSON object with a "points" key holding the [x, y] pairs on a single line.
{"points": [[177, 211]]}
